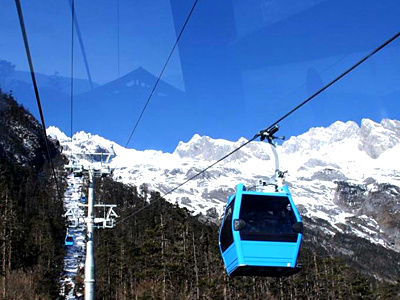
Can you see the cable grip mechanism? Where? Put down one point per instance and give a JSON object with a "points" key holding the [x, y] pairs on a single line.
{"points": [[279, 176], [268, 134]]}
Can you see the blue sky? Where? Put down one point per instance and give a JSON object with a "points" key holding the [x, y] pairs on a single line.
{"points": [[241, 64]]}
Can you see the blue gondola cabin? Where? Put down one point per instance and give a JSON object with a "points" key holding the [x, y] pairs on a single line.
{"points": [[261, 234], [69, 240]]}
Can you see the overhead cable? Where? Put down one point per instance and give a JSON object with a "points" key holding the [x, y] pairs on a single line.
{"points": [[295, 90], [162, 72], [82, 46], [269, 128], [190, 179], [383, 45], [118, 59], [72, 63], [32, 71]]}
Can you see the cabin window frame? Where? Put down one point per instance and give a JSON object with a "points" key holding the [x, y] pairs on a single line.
{"points": [[226, 229]]}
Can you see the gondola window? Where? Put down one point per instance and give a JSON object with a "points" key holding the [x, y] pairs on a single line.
{"points": [[226, 231]]}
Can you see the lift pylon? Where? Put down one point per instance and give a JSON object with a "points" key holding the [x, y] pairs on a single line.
{"points": [[91, 166]]}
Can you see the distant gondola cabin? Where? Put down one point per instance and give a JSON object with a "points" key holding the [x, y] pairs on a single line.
{"points": [[69, 240]]}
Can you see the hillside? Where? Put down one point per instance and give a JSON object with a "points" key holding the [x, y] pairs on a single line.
{"points": [[343, 178], [170, 251], [166, 253], [31, 228]]}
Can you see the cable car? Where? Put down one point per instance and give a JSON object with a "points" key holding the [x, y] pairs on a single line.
{"points": [[69, 240], [261, 232]]}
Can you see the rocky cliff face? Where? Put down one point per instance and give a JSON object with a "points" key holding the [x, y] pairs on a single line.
{"points": [[375, 138], [21, 137], [316, 138], [379, 202]]}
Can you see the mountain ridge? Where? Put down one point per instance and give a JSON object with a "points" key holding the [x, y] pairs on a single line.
{"points": [[325, 166]]}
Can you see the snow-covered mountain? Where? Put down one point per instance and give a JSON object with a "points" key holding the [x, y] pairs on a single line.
{"points": [[344, 178]]}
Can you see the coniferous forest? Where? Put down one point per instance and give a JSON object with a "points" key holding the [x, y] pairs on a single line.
{"points": [[161, 252], [32, 229], [165, 253]]}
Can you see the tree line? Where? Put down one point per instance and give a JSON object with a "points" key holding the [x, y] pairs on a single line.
{"points": [[164, 252], [31, 228]]}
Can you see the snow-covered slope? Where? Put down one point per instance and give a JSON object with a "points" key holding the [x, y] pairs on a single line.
{"points": [[318, 162], [74, 254]]}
